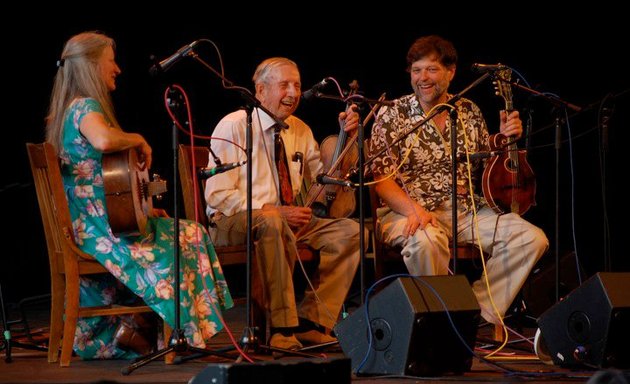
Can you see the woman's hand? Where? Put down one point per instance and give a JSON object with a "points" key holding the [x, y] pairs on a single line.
{"points": [[144, 155]]}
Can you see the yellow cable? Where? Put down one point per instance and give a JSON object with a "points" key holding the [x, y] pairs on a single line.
{"points": [[483, 261]]}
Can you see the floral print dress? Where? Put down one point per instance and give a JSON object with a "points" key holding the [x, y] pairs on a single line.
{"points": [[141, 266]]}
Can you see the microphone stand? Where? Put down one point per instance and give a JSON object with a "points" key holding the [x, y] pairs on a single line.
{"points": [[361, 211], [562, 106], [453, 116], [556, 249], [7, 342], [177, 342], [360, 166]]}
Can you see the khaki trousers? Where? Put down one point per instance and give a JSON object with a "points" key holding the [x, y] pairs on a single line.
{"points": [[514, 246], [337, 241]]}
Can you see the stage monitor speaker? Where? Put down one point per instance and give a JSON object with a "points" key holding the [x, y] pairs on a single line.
{"points": [[411, 332], [539, 291], [277, 372], [591, 326]]}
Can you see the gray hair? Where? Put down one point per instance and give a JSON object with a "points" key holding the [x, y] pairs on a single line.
{"points": [[267, 66]]}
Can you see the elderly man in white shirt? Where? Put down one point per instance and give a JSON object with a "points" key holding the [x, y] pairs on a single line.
{"points": [[278, 227]]}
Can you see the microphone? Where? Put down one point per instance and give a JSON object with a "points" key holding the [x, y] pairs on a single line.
{"points": [[324, 179], [209, 172], [314, 91], [483, 68], [167, 63], [482, 155]]}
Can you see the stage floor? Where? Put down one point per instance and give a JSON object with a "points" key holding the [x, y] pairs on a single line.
{"points": [[29, 366]]}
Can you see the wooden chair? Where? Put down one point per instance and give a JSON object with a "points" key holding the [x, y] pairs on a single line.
{"points": [[228, 255], [67, 261]]}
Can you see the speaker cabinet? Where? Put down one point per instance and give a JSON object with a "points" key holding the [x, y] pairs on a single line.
{"points": [[539, 291], [411, 332], [591, 326]]}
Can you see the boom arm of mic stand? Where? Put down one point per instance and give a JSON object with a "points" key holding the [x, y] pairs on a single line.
{"points": [[552, 99], [359, 98]]}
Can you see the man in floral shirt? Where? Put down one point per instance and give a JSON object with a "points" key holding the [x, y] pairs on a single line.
{"points": [[417, 196]]}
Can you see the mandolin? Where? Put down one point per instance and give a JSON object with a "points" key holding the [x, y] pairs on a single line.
{"points": [[508, 182], [128, 191]]}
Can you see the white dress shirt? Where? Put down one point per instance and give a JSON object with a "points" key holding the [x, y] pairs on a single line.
{"points": [[227, 192]]}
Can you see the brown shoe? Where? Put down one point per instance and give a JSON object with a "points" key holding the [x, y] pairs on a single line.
{"points": [[278, 340], [314, 336], [135, 333]]}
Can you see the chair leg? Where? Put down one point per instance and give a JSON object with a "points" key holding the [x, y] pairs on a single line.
{"points": [[70, 321], [56, 317], [69, 328]]}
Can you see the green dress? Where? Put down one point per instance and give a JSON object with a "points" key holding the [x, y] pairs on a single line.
{"points": [[140, 265]]}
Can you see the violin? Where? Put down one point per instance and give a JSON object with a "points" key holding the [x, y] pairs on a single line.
{"points": [[339, 155], [508, 181], [339, 200]]}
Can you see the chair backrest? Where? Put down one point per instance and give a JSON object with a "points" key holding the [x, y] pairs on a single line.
{"points": [[190, 162], [194, 199], [52, 204]]}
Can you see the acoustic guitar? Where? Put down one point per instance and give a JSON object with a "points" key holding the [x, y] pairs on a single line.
{"points": [[128, 191], [508, 182]]}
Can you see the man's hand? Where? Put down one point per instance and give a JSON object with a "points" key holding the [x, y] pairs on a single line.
{"points": [[420, 218], [511, 125], [349, 120], [295, 216]]}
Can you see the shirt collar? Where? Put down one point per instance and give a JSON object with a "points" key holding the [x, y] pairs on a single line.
{"points": [[266, 122]]}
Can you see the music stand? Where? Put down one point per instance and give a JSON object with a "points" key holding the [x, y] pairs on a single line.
{"points": [[177, 342]]}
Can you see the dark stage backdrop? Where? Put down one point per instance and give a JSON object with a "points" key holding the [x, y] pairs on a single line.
{"points": [[581, 59]]}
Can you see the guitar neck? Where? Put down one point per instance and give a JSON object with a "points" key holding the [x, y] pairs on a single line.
{"points": [[154, 188]]}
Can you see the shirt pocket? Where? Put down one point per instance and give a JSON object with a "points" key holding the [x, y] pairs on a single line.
{"points": [[296, 176]]}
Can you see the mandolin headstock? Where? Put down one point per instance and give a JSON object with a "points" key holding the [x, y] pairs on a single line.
{"points": [[503, 87]]}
